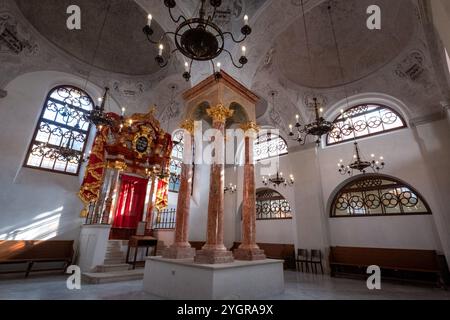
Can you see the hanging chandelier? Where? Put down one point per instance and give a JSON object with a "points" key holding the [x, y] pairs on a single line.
{"points": [[317, 128], [197, 39], [98, 116], [278, 180], [361, 165]]}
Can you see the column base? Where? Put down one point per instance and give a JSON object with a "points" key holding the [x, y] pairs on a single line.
{"points": [[249, 254], [206, 256], [178, 253]]}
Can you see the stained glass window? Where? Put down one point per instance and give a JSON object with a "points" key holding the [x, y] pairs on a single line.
{"points": [[62, 123], [377, 195], [364, 120], [271, 205], [269, 145]]}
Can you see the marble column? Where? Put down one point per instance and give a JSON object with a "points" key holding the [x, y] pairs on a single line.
{"points": [[249, 250], [214, 251], [149, 215], [109, 200], [181, 249]]}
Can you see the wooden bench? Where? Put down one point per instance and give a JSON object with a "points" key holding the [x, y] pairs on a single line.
{"points": [[32, 252], [395, 262]]}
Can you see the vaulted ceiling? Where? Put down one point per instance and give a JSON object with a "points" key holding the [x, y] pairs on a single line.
{"points": [[119, 47], [398, 60]]}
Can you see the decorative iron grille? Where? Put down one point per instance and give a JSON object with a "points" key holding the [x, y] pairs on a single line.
{"points": [[61, 121], [271, 205], [176, 161], [165, 219], [364, 120], [377, 195], [269, 145]]}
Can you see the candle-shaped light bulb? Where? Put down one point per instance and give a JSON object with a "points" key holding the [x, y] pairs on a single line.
{"points": [[100, 128], [161, 48], [281, 174], [186, 66], [244, 51], [381, 158], [354, 156], [123, 111], [100, 100], [290, 127], [246, 20], [130, 122], [219, 66], [321, 110], [342, 110], [297, 117], [372, 155], [149, 20]]}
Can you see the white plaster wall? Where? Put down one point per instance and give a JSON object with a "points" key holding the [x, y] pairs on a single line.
{"points": [[404, 161], [275, 231], [34, 204]]}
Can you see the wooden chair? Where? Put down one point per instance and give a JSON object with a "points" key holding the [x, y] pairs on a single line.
{"points": [[316, 259], [302, 258]]}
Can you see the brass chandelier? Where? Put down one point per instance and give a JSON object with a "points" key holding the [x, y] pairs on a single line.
{"points": [[197, 39], [361, 165], [319, 127], [278, 180]]}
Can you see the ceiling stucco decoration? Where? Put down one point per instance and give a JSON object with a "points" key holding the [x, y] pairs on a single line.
{"points": [[416, 72], [13, 39], [308, 100], [363, 51], [122, 48], [129, 89]]}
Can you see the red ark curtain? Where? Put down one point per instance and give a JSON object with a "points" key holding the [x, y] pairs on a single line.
{"points": [[131, 202]]}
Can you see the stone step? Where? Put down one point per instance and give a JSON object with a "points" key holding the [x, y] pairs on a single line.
{"points": [[114, 261], [116, 276], [115, 255], [113, 267]]}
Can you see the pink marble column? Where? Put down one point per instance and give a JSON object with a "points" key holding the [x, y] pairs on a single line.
{"points": [[181, 249], [249, 250], [214, 251], [149, 215]]}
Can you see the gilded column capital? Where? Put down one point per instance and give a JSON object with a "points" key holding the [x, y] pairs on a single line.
{"points": [[250, 126], [188, 125], [220, 113]]}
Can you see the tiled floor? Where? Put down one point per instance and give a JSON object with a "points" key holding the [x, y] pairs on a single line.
{"points": [[298, 287]]}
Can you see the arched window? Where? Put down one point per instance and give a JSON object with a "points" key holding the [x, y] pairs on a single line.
{"points": [[62, 120], [378, 195], [271, 205], [176, 161], [269, 145], [367, 120]]}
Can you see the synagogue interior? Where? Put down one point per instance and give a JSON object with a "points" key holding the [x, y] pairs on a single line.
{"points": [[224, 149]]}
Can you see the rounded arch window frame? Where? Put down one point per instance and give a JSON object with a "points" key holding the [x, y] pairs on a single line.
{"points": [[41, 118], [279, 198], [341, 188], [278, 136], [369, 98]]}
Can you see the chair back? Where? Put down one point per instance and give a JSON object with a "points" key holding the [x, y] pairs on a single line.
{"points": [[316, 255], [302, 253]]}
